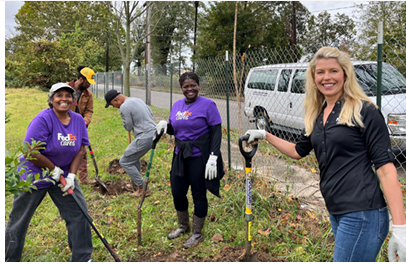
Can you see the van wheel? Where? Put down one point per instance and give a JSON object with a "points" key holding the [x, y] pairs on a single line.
{"points": [[262, 121]]}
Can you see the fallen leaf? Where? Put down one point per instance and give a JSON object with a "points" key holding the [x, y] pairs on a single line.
{"points": [[264, 232], [313, 170], [168, 184], [226, 187], [156, 202], [217, 238]]}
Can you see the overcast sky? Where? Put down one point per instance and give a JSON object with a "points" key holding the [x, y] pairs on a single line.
{"points": [[315, 7]]}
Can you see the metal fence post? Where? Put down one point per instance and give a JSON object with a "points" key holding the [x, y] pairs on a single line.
{"points": [[228, 115], [170, 102], [122, 83], [379, 77]]}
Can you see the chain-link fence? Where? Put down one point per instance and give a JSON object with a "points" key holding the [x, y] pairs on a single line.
{"points": [[273, 100]]}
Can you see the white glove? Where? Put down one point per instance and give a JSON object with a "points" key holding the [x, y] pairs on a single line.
{"points": [[70, 183], [255, 135], [211, 167], [56, 174], [161, 125], [397, 244]]}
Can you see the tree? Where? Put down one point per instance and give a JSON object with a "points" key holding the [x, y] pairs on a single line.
{"points": [[393, 16], [172, 29], [127, 17], [260, 24], [325, 31]]}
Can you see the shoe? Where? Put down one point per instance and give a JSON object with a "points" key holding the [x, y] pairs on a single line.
{"points": [[184, 227], [197, 235], [140, 190]]}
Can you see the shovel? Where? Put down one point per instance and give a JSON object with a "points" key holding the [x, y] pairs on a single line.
{"points": [[155, 140], [96, 176], [248, 156], [91, 222]]}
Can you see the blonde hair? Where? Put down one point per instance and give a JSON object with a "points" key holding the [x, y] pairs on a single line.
{"points": [[353, 94]]}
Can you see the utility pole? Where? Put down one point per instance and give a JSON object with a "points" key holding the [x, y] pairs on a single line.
{"points": [[294, 31], [148, 56], [194, 40], [107, 52]]}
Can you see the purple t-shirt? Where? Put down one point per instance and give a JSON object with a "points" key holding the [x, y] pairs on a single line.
{"points": [[191, 121], [63, 142]]}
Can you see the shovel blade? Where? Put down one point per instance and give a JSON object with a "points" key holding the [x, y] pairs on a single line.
{"points": [[251, 257]]}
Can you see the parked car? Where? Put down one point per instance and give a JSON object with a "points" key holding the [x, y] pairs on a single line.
{"points": [[274, 96]]}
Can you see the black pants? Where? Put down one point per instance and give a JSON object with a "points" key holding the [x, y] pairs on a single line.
{"points": [[193, 176]]}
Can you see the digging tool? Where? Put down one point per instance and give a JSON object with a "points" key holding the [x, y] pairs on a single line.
{"points": [[155, 140], [96, 176], [248, 212], [91, 222]]}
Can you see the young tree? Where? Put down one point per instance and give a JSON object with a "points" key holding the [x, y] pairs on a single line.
{"points": [[127, 17]]}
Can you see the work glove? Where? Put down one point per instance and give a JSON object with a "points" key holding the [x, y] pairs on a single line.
{"points": [[211, 167], [397, 244], [70, 183], [161, 125], [56, 174], [255, 135]]}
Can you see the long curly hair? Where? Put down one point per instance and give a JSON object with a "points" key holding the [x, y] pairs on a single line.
{"points": [[353, 94]]}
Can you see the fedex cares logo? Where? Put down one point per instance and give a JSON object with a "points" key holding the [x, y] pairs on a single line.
{"points": [[68, 140], [183, 115]]}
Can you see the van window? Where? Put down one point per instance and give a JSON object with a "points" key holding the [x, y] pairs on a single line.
{"points": [[263, 80], [284, 80], [299, 81], [393, 82]]}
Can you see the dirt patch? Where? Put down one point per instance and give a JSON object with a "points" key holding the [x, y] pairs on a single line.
{"points": [[226, 254], [119, 186], [115, 168]]}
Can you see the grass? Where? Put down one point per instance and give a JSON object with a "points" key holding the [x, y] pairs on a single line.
{"points": [[280, 227]]}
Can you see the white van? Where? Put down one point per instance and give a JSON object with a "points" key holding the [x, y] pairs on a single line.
{"points": [[274, 96]]}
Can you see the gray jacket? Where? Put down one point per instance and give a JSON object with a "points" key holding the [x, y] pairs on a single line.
{"points": [[137, 116]]}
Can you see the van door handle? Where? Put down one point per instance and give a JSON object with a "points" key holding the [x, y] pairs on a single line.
{"points": [[290, 104]]}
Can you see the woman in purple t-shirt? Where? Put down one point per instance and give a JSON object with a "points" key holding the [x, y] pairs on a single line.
{"points": [[65, 135], [196, 124]]}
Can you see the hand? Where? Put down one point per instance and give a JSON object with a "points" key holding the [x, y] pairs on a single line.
{"points": [[70, 183], [56, 174], [255, 135], [211, 167], [161, 125], [397, 244]]}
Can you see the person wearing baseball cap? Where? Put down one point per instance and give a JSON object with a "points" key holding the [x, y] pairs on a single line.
{"points": [[83, 104], [65, 136], [137, 117]]}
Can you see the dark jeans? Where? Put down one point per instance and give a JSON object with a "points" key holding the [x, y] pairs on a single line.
{"points": [[194, 177], [359, 235], [24, 206]]}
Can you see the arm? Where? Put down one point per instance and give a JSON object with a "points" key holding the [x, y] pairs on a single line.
{"points": [[283, 146], [41, 161], [126, 117], [391, 188], [215, 139], [74, 166], [87, 114]]}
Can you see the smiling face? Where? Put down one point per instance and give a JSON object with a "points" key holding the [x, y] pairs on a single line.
{"points": [[61, 100], [83, 84], [190, 90], [329, 77]]}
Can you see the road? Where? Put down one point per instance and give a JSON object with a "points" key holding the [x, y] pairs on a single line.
{"points": [[162, 100]]}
